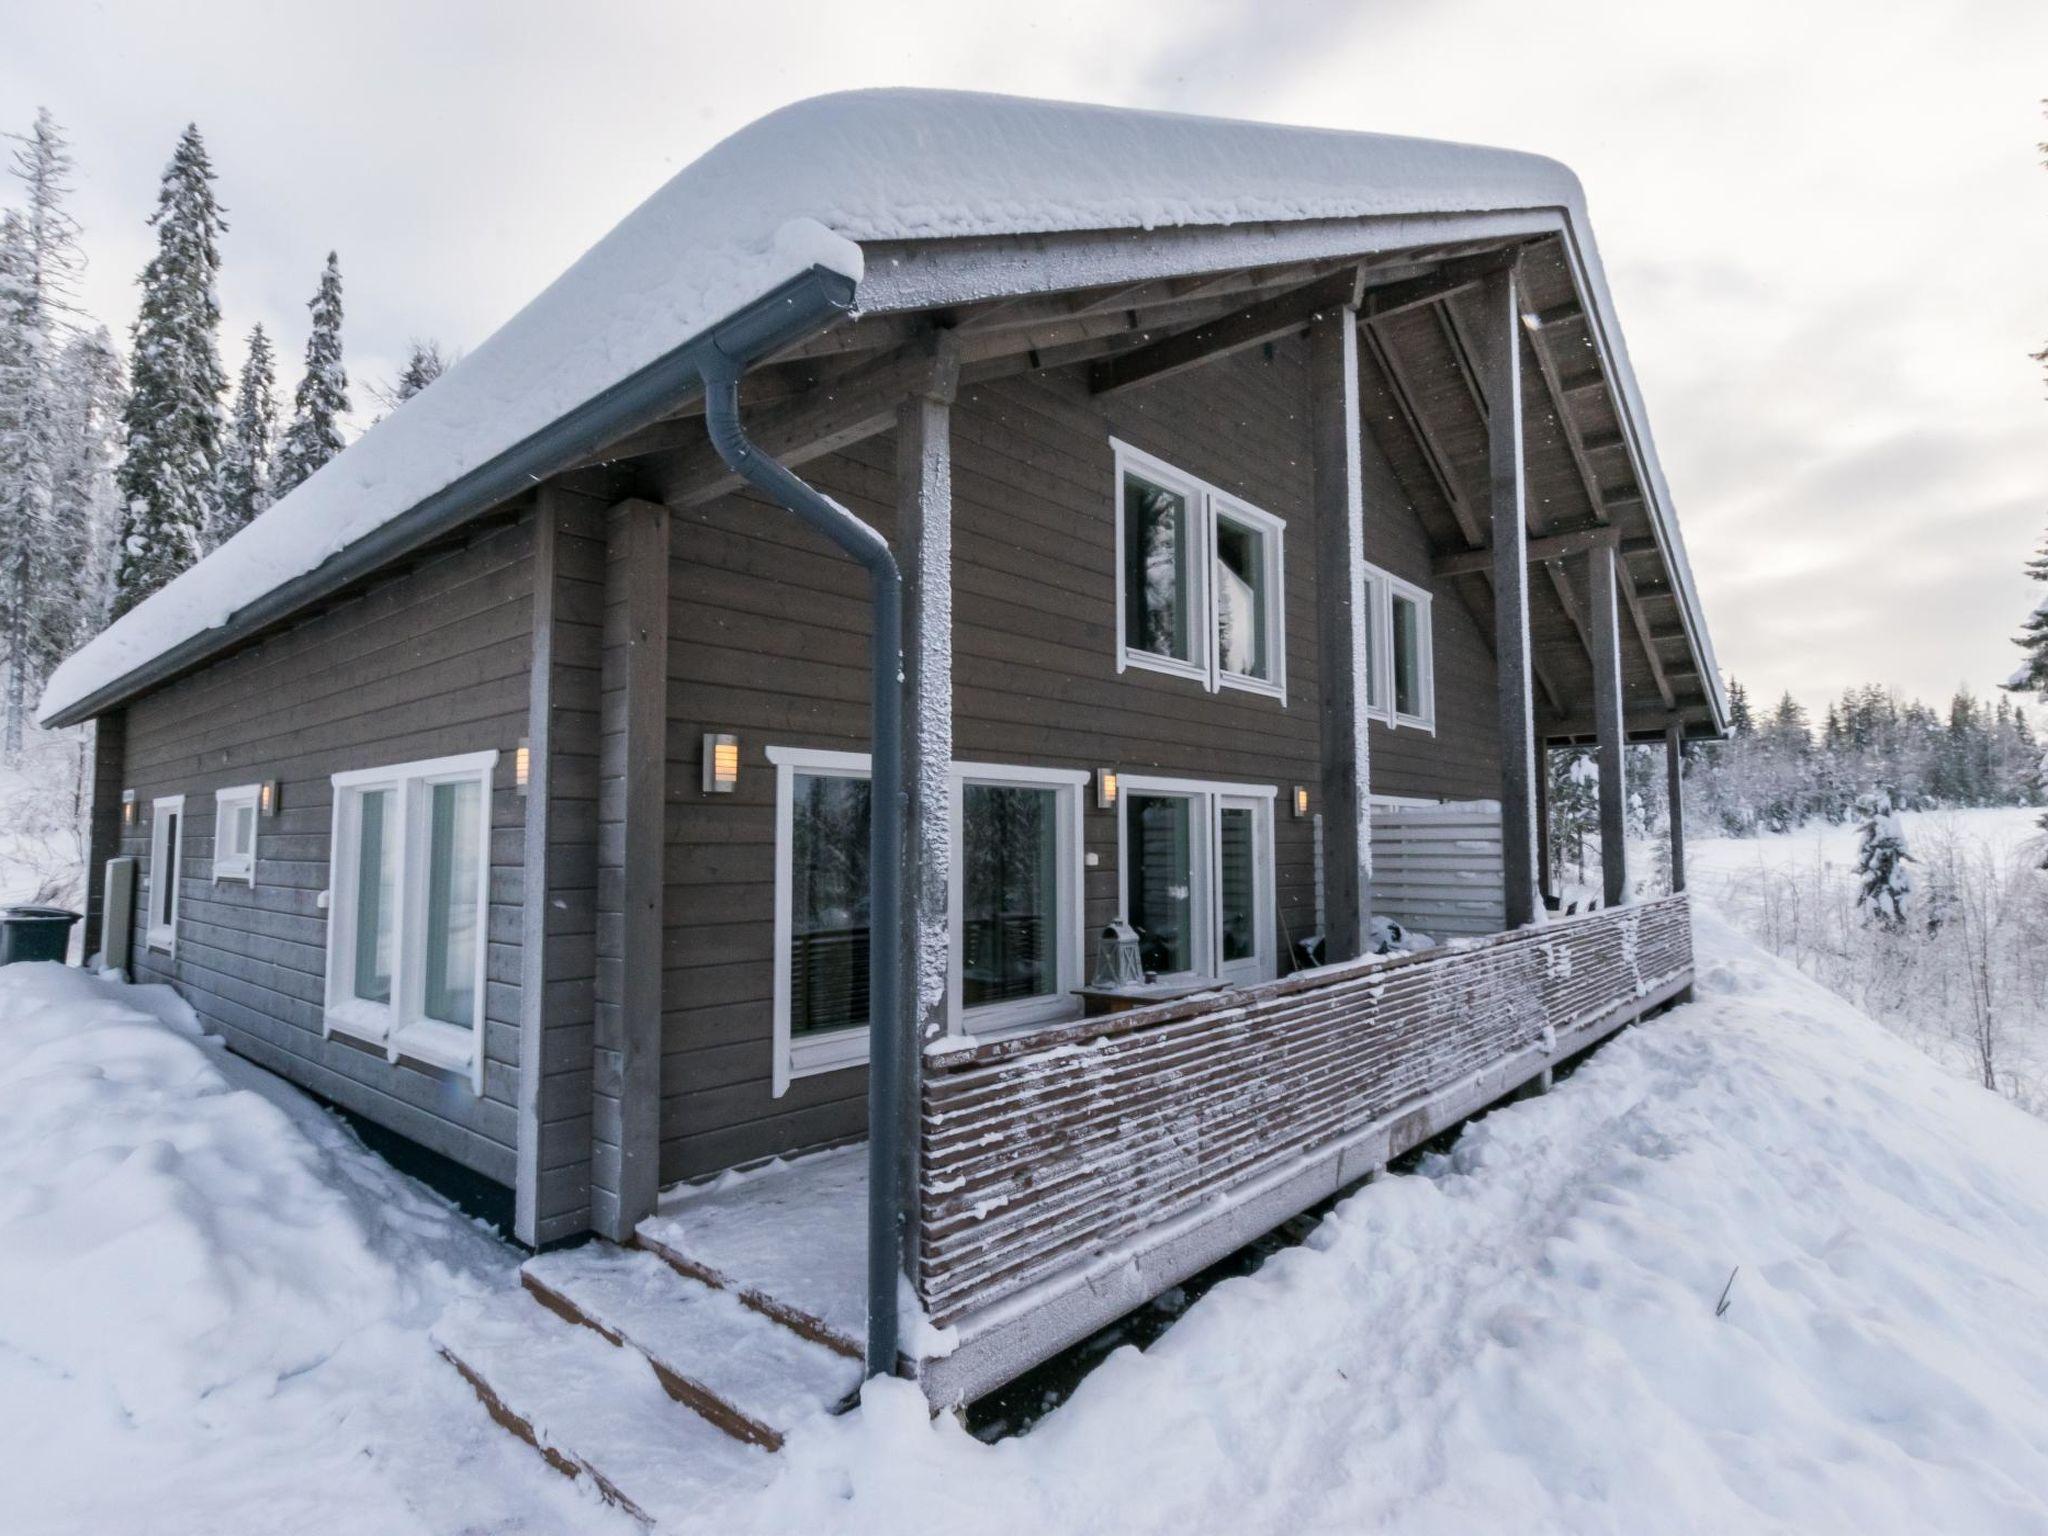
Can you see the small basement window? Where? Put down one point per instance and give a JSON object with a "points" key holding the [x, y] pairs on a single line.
{"points": [[234, 833], [408, 909], [1199, 580], [1400, 652], [166, 860]]}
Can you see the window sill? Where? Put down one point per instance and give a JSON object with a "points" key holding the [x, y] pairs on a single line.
{"points": [[163, 941], [1166, 666], [234, 877], [832, 1051], [1414, 723], [424, 1042], [1256, 685]]}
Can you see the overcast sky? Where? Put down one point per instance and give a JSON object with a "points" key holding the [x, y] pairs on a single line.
{"points": [[1826, 223]]}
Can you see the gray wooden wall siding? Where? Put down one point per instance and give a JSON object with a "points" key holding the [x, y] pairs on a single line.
{"points": [[430, 663], [768, 637]]}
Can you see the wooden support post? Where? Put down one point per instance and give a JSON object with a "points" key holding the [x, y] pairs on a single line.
{"points": [[1674, 794], [558, 898], [924, 535], [1338, 444], [633, 767], [1544, 889], [1501, 375], [1611, 747], [103, 828]]}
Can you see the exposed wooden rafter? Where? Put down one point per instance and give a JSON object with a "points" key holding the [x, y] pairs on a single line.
{"points": [[1553, 546], [1235, 332]]}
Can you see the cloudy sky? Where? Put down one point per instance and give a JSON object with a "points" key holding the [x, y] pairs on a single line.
{"points": [[1825, 220]]}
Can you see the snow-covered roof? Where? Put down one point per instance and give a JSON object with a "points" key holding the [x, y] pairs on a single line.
{"points": [[807, 186]]}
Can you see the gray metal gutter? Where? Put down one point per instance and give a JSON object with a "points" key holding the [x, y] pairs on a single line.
{"points": [[788, 312], [888, 1030]]}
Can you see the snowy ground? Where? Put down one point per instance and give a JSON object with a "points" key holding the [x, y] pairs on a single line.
{"points": [[1720, 868], [216, 1292]]}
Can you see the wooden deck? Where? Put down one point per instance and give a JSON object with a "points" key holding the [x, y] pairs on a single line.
{"points": [[1072, 1174]]}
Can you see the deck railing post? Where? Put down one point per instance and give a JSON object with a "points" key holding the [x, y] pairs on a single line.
{"points": [[1604, 620], [1500, 368], [1337, 434], [924, 531]]}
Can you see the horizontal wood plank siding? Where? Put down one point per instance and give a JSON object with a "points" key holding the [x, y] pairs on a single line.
{"points": [[428, 663], [1039, 1156], [1437, 869], [768, 639]]}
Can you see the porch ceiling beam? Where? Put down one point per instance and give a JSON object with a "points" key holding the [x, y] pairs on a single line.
{"points": [[1235, 332], [1640, 622], [857, 406], [1550, 547]]}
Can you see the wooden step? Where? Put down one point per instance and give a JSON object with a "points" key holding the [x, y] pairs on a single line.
{"points": [[749, 1375], [595, 1410]]}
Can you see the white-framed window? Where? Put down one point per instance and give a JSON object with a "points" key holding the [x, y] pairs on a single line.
{"points": [[1400, 652], [1201, 579], [234, 833], [1195, 862], [166, 861], [1015, 903], [408, 909]]}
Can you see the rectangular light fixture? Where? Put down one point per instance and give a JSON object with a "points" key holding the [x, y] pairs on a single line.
{"points": [[1300, 801], [1106, 789], [127, 807], [522, 764], [267, 798], [721, 762]]}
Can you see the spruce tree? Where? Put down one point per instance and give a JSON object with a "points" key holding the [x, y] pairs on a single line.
{"points": [[86, 512], [1885, 885], [252, 435], [314, 436], [1740, 721], [38, 273], [172, 462], [423, 365]]}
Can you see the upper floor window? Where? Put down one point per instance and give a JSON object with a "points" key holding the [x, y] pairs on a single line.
{"points": [[408, 909], [1400, 652], [1199, 579]]}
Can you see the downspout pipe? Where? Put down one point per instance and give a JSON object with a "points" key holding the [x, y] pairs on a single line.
{"points": [[888, 1029]]}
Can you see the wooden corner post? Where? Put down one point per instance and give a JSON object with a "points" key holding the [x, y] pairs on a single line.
{"points": [[1500, 367], [1674, 795], [1604, 621], [1338, 445], [924, 537]]}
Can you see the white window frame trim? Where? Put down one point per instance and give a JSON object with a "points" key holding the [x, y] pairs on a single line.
{"points": [[1206, 503], [401, 1027], [839, 1049], [164, 869], [1209, 795], [1387, 586], [226, 868]]}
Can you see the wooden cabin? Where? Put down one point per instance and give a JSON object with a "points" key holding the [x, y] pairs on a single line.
{"points": [[1265, 502]]}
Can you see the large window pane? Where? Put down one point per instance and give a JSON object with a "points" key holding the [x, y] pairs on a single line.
{"points": [[1160, 880], [1241, 596], [1237, 857], [1407, 657], [1156, 571], [1010, 892], [828, 963], [376, 892], [454, 854]]}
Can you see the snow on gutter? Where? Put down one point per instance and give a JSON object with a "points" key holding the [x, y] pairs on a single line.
{"points": [[798, 191]]}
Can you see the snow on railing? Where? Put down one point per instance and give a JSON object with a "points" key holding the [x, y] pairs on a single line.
{"points": [[1041, 1153]]}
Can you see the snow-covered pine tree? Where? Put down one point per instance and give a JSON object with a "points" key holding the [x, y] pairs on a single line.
{"points": [[172, 463], [38, 274], [86, 504], [1741, 722], [1885, 884], [252, 437], [314, 436], [424, 364]]}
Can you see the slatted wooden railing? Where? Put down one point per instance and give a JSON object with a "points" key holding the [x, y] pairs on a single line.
{"points": [[1039, 1154]]}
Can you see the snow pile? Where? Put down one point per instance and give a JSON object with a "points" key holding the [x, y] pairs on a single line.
{"points": [[213, 1302], [1525, 1336], [805, 186]]}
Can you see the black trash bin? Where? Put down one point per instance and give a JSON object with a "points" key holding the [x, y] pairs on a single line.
{"points": [[34, 933]]}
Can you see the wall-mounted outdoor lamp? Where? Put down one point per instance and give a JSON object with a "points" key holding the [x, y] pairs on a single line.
{"points": [[127, 807], [1106, 789], [1300, 802], [522, 764], [267, 799], [721, 762]]}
